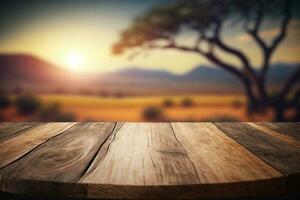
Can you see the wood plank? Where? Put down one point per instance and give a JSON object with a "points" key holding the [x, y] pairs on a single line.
{"points": [[140, 154], [284, 137], [12, 129], [16, 147], [161, 163], [64, 158], [279, 154], [221, 161], [148, 161], [287, 128]]}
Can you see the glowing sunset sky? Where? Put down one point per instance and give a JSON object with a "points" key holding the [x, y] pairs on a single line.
{"points": [[64, 31]]}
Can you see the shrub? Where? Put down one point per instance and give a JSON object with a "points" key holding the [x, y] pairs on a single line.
{"points": [[48, 112], [27, 104], [237, 103], [152, 113], [52, 112], [168, 103], [187, 102], [4, 102], [65, 117], [103, 93], [119, 94]]}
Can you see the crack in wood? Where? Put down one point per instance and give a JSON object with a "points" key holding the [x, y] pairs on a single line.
{"points": [[37, 146], [96, 153], [98, 157], [193, 164]]}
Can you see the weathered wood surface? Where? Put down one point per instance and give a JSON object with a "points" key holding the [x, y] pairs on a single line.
{"points": [[11, 129], [280, 154], [149, 160], [15, 147]]}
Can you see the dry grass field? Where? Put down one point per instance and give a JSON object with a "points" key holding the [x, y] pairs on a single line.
{"points": [[205, 107], [148, 108]]}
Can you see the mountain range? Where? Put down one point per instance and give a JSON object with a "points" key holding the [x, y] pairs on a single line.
{"points": [[34, 74]]}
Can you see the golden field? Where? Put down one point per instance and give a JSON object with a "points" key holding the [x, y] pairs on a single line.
{"points": [[96, 108], [205, 107]]}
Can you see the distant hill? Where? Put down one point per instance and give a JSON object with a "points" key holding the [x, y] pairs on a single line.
{"points": [[33, 73]]}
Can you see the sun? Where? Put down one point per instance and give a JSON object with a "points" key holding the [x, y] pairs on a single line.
{"points": [[75, 61]]}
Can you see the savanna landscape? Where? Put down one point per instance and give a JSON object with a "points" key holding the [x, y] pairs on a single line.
{"points": [[150, 99], [156, 61], [157, 108]]}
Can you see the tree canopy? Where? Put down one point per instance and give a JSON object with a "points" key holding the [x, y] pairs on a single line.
{"points": [[203, 16], [160, 27]]}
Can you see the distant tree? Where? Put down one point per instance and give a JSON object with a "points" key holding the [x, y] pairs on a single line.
{"points": [[168, 102], [52, 113], [104, 93], [27, 104], [161, 26], [187, 102], [119, 94], [153, 113]]}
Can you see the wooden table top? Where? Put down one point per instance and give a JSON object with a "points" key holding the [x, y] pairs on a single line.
{"points": [[150, 160]]}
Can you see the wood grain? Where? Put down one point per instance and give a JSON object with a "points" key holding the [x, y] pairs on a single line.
{"points": [[15, 147], [192, 156], [282, 136], [289, 129], [278, 153], [143, 154], [12, 129], [219, 159], [62, 158], [148, 160]]}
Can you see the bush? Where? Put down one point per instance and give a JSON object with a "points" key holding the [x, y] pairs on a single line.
{"points": [[237, 104], [65, 117], [4, 102], [119, 94], [103, 94], [168, 103], [152, 113], [52, 112], [48, 112], [187, 102], [27, 105]]}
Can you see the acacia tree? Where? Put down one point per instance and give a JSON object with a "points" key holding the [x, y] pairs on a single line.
{"points": [[161, 26]]}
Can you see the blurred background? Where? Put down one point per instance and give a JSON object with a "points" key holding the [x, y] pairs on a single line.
{"points": [[153, 60]]}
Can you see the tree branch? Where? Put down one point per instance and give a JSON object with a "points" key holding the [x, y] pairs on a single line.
{"points": [[231, 50], [210, 56], [283, 27], [172, 45], [214, 59], [255, 30], [268, 50]]}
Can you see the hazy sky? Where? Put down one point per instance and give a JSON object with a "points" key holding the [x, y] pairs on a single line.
{"points": [[60, 30]]}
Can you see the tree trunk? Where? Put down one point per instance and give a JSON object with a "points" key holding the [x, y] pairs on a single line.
{"points": [[252, 102]]}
